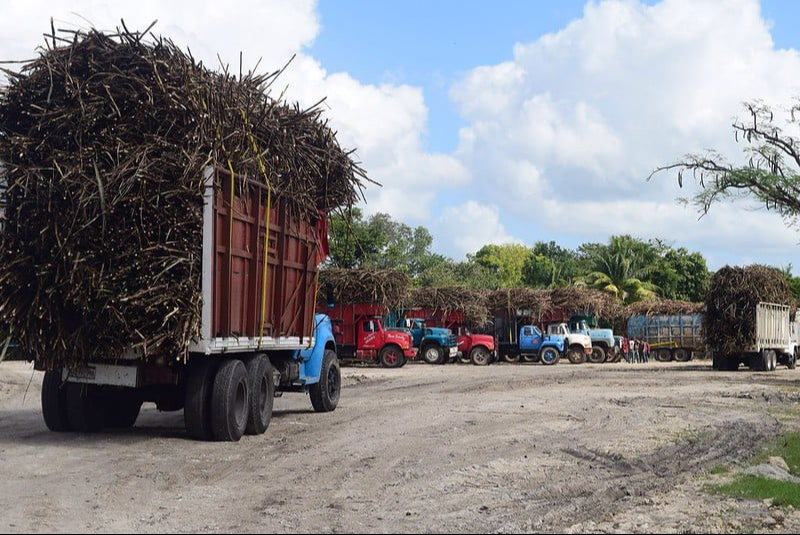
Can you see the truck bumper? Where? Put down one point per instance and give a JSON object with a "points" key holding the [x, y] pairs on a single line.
{"points": [[410, 353]]}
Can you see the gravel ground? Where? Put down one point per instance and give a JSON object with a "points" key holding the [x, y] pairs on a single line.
{"points": [[610, 448]]}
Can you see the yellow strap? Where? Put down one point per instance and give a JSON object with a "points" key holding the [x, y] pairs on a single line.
{"points": [[264, 270]]}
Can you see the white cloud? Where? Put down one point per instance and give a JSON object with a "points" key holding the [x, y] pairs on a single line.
{"points": [[468, 227], [595, 107]]}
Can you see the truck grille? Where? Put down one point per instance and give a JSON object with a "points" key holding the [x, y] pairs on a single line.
{"points": [[452, 341]]}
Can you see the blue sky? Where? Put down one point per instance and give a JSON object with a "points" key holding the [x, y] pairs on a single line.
{"points": [[507, 121]]}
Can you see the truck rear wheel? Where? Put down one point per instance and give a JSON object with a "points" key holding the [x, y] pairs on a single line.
{"points": [[511, 359], [479, 356], [54, 402], [262, 394], [392, 357], [433, 354], [85, 411], [197, 406], [325, 393], [123, 409], [682, 355], [598, 355], [230, 401], [663, 355], [550, 356]]}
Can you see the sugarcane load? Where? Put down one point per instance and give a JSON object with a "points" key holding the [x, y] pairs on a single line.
{"points": [[155, 209]]}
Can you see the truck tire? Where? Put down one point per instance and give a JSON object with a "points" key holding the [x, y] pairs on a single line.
{"points": [[511, 359], [123, 409], [682, 355], [392, 357], [230, 402], [260, 379], [54, 402], [433, 354], [197, 406], [598, 355], [772, 361], [325, 393], [527, 357], [576, 355], [663, 355], [85, 409], [791, 361], [480, 356], [549, 356]]}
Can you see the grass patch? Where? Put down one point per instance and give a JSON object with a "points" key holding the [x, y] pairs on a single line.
{"points": [[782, 493], [719, 470], [760, 488]]}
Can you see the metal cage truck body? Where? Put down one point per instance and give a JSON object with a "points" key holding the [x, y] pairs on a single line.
{"points": [[671, 336], [259, 335], [774, 341]]}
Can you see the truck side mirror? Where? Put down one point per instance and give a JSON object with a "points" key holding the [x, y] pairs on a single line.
{"points": [[329, 295]]}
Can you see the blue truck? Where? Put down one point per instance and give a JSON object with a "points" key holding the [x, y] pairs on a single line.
{"points": [[604, 348], [531, 345], [436, 345]]}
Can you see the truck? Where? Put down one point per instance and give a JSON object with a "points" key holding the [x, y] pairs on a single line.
{"points": [[774, 341], [671, 336], [479, 349], [604, 348], [531, 345], [578, 345], [259, 335], [362, 337], [436, 345]]}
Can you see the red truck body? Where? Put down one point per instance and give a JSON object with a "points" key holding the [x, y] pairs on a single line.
{"points": [[360, 335], [471, 347]]}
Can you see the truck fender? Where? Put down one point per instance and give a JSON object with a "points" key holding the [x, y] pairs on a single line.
{"points": [[311, 358]]}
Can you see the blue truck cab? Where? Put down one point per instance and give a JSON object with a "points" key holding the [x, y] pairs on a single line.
{"points": [[603, 342], [436, 345], [533, 345]]}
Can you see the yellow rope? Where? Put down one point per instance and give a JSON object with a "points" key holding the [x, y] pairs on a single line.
{"points": [[265, 269]]}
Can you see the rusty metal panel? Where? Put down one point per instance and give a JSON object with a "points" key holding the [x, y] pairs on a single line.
{"points": [[239, 295]]}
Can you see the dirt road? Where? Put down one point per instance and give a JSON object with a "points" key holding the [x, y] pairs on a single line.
{"points": [[617, 448]]}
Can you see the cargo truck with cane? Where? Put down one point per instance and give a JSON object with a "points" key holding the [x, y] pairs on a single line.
{"points": [[773, 342], [259, 335], [161, 234]]}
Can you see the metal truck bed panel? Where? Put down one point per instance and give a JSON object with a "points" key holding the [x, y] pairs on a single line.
{"points": [[247, 305], [667, 330], [772, 327]]}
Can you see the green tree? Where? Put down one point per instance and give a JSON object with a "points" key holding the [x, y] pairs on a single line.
{"points": [[770, 176], [468, 273], [506, 261], [620, 268], [549, 266], [681, 275], [379, 242]]}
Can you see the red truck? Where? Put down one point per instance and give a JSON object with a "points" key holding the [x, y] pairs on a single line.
{"points": [[476, 348], [258, 337], [360, 335]]}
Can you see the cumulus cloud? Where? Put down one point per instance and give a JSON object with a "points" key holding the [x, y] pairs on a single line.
{"points": [[591, 110], [468, 227]]}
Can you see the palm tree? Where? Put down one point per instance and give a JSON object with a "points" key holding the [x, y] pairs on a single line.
{"points": [[619, 269]]}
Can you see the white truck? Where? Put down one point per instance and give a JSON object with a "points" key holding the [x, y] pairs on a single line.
{"points": [[775, 341], [578, 346]]}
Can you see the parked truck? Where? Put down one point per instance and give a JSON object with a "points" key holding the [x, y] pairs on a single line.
{"points": [[362, 337], [578, 345], [604, 348], [529, 344], [259, 335], [774, 341], [479, 349], [670, 336], [436, 345]]}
